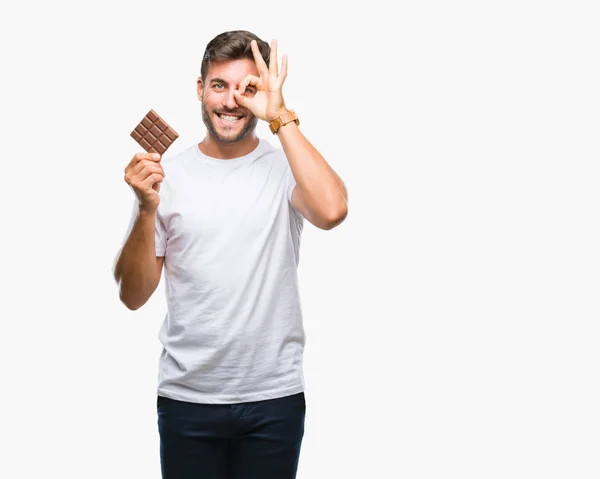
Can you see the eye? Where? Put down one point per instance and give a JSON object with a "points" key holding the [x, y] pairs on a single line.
{"points": [[217, 86]]}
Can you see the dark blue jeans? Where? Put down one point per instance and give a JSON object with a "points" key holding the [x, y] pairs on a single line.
{"points": [[253, 440]]}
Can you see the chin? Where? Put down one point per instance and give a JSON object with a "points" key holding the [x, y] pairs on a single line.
{"points": [[238, 133]]}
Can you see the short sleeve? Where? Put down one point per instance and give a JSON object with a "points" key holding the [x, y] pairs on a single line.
{"points": [[290, 183], [160, 233]]}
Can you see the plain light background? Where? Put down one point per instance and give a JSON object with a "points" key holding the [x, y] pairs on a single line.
{"points": [[452, 319]]}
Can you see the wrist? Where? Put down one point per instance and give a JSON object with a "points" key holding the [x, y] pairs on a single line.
{"points": [[147, 210], [277, 114], [288, 116]]}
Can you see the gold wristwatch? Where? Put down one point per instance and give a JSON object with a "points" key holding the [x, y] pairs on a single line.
{"points": [[284, 119]]}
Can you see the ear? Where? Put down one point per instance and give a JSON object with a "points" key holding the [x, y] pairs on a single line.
{"points": [[199, 88]]}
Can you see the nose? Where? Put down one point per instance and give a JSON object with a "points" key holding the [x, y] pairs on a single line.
{"points": [[229, 100]]}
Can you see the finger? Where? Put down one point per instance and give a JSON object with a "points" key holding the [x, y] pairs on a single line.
{"points": [[273, 67], [145, 156], [284, 69], [249, 80], [142, 156], [260, 61], [142, 170], [139, 181], [144, 163], [148, 182]]}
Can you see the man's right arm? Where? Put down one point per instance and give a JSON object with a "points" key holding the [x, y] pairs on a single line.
{"points": [[138, 269]]}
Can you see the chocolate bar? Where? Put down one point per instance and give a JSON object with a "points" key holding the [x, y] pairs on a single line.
{"points": [[154, 134]]}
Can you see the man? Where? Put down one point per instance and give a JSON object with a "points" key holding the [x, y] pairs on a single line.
{"points": [[225, 217]]}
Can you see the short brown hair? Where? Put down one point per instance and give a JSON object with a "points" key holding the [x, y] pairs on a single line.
{"points": [[233, 45]]}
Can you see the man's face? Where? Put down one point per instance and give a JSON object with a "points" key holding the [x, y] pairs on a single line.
{"points": [[223, 117]]}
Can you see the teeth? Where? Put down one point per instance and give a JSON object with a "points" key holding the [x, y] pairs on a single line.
{"points": [[229, 118]]}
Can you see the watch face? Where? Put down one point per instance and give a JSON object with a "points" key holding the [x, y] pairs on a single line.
{"points": [[274, 125]]}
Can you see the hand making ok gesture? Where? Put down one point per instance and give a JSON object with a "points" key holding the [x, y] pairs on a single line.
{"points": [[267, 103]]}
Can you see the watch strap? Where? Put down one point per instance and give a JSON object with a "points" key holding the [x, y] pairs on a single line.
{"points": [[283, 119]]}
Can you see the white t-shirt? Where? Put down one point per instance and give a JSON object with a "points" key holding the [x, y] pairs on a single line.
{"points": [[230, 236]]}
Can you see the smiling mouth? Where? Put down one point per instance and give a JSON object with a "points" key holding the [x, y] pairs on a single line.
{"points": [[229, 118]]}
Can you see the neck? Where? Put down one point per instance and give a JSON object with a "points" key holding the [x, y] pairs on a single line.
{"points": [[224, 150]]}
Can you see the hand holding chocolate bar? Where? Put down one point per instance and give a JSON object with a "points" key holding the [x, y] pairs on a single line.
{"points": [[144, 172]]}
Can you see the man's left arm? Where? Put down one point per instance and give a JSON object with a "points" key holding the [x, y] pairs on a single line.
{"points": [[320, 194]]}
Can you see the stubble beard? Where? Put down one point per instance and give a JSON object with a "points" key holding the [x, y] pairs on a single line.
{"points": [[245, 131]]}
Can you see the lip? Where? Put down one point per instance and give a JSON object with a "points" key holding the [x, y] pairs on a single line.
{"points": [[227, 123]]}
